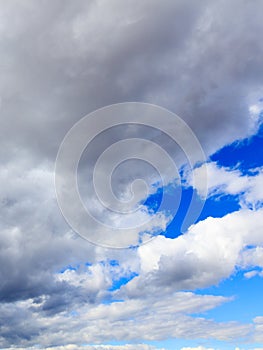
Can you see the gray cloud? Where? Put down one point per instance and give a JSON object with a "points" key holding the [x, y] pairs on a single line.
{"points": [[63, 61], [119, 320]]}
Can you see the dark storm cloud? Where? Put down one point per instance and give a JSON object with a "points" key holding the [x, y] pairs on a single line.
{"points": [[200, 59], [65, 61]]}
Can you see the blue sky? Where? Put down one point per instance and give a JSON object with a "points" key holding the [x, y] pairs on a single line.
{"points": [[131, 195]]}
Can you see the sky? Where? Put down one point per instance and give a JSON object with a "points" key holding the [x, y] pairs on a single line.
{"points": [[131, 175]]}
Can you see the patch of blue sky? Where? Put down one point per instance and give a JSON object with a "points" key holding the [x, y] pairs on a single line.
{"points": [[154, 200], [114, 262], [74, 267], [69, 267], [219, 206], [216, 206], [246, 295], [73, 313], [121, 281], [245, 155], [111, 301]]}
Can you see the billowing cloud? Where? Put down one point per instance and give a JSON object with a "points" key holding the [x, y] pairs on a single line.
{"points": [[221, 180], [209, 252]]}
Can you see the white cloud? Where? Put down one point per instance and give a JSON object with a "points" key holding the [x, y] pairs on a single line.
{"points": [[251, 274], [231, 181], [258, 330], [206, 254], [252, 257]]}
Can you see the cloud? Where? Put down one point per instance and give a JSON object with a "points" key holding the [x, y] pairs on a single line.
{"points": [[221, 180], [100, 347], [197, 348], [63, 60], [123, 320], [252, 257], [72, 303], [35, 241], [258, 324], [133, 309], [209, 252], [204, 348], [76, 66]]}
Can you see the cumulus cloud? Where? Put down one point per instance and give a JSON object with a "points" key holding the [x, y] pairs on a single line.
{"points": [[221, 180], [209, 252]]}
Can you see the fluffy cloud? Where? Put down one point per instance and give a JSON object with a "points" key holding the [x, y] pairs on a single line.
{"points": [[35, 242], [206, 254], [221, 180]]}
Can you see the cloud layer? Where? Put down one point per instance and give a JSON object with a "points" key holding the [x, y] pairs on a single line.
{"points": [[62, 60]]}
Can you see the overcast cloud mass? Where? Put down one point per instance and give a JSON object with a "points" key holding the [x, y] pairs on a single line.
{"points": [[59, 61]]}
